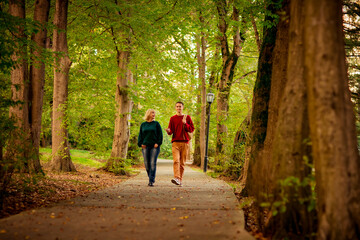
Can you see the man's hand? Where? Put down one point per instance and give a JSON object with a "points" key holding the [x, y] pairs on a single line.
{"points": [[184, 119], [143, 146], [156, 145], [168, 130]]}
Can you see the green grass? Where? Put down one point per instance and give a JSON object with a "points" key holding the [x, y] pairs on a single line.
{"points": [[82, 157]]}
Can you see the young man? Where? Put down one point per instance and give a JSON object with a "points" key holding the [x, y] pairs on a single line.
{"points": [[179, 126]]}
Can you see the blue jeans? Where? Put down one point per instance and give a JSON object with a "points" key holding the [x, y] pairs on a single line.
{"points": [[150, 155]]}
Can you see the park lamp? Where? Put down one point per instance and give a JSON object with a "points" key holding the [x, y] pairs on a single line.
{"points": [[210, 97]]}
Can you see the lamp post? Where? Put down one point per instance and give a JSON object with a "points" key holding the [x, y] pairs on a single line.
{"points": [[209, 98]]}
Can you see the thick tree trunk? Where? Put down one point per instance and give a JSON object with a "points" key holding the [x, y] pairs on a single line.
{"points": [[227, 75], [19, 147], [263, 166], [261, 96], [124, 106], [332, 125], [37, 79], [61, 160], [290, 144], [263, 181]]}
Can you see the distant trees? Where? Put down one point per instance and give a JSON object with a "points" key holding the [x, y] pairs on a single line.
{"points": [[229, 60]]}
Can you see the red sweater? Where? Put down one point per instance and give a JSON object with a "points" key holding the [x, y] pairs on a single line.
{"points": [[179, 129]]}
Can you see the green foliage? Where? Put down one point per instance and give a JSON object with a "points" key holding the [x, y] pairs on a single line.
{"points": [[120, 166], [290, 191]]}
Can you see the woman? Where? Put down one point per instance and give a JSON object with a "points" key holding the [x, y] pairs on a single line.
{"points": [[150, 138]]}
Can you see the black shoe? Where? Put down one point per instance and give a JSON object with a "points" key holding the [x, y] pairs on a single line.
{"points": [[150, 184]]}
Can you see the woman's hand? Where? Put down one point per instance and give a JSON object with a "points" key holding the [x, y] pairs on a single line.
{"points": [[143, 146], [168, 130], [156, 145]]}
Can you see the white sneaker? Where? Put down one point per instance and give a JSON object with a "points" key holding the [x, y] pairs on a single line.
{"points": [[175, 181]]}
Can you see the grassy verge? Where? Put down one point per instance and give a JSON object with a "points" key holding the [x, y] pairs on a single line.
{"points": [[81, 157]]}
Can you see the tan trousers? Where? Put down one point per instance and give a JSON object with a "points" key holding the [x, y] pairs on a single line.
{"points": [[179, 151]]}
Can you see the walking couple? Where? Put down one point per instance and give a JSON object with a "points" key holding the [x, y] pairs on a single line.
{"points": [[150, 139]]}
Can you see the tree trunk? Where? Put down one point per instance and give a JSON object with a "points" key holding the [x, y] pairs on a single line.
{"points": [[19, 147], [290, 144], [124, 107], [263, 182], [261, 96], [197, 152], [37, 79], [227, 75], [332, 125], [61, 160], [201, 49]]}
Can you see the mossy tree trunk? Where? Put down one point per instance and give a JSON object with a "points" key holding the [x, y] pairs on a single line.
{"points": [[124, 103], [61, 160], [260, 102]]}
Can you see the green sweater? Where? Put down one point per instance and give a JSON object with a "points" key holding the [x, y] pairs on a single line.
{"points": [[150, 133]]}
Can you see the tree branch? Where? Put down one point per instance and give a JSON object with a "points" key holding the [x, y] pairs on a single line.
{"points": [[172, 8], [257, 37], [243, 76], [222, 28]]}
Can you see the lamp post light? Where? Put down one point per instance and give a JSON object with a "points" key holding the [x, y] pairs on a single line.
{"points": [[209, 98]]}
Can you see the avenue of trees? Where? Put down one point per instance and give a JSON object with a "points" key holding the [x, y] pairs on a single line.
{"points": [[285, 74]]}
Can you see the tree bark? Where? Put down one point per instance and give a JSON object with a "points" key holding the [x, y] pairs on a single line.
{"points": [[260, 102], [19, 148], [37, 79], [263, 182], [227, 74], [124, 107], [61, 160], [290, 144], [201, 58], [332, 125], [197, 152]]}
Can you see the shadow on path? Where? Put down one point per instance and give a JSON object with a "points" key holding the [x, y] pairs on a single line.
{"points": [[204, 208]]}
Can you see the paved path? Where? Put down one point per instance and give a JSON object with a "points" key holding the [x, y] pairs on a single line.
{"points": [[204, 208]]}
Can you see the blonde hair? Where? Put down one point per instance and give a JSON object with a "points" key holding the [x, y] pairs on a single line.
{"points": [[147, 114]]}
